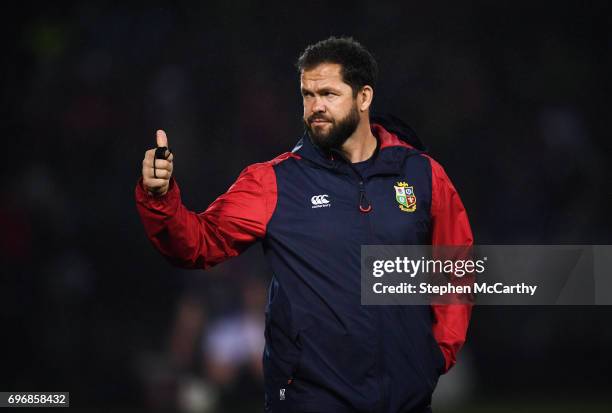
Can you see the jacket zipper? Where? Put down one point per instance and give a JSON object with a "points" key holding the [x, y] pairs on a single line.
{"points": [[379, 322], [365, 207]]}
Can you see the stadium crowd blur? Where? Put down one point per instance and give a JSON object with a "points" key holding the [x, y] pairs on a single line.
{"points": [[512, 99]]}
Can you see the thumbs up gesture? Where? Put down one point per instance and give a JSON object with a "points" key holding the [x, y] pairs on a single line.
{"points": [[157, 167]]}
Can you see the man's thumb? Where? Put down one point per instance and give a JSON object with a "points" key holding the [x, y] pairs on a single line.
{"points": [[162, 139]]}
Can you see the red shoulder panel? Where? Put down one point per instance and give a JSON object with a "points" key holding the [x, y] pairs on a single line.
{"points": [[452, 228]]}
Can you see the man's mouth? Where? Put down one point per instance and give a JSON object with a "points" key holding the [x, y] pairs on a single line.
{"points": [[318, 121]]}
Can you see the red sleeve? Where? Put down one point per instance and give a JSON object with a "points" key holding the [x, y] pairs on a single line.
{"points": [[228, 226], [450, 227]]}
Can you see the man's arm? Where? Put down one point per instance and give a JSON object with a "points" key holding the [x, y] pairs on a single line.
{"points": [[450, 228], [200, 240]]}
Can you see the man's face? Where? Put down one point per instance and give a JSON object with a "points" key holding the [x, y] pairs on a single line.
{"points": [[330, 110]]}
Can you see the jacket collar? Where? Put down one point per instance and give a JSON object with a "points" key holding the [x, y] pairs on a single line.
{"points": [[396, 141]]}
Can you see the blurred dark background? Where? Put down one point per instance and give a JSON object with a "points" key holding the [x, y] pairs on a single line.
{"points": [[513, 98]]}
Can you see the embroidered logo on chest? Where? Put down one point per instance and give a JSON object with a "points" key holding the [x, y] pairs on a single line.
{"points": [[405, 197]]}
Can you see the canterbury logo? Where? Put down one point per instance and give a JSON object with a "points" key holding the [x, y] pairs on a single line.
{"points": [[320, 201]]}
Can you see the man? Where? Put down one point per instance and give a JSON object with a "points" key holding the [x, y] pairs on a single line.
{"points": [[312, 209]]}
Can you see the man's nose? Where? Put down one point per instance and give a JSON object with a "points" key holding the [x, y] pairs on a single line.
{"points": [[318, 105]]}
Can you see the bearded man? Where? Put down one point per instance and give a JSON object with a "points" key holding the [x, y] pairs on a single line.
{"points": [[312, 209]]}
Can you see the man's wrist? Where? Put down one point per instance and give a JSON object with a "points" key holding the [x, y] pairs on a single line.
{"points": [[157, 195], [146, 195]]}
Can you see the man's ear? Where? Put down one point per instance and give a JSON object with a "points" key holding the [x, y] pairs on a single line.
{"points": [[365, 97]]}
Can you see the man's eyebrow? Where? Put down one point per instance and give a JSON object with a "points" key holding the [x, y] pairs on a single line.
{"points": [[321, 90]]}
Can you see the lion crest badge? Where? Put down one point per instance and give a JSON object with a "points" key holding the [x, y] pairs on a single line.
{"points": [[405, 197]]}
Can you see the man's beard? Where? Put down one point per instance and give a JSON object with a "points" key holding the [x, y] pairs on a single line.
{"points": [[338, 133]]}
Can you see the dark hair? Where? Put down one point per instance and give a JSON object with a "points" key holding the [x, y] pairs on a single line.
{"points": [[359, 68]]}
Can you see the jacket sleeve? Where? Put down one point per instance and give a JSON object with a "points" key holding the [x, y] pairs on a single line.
{"points": [[229, 225], [450, 228]]}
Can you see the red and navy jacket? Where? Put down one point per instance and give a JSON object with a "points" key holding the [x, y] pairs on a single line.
{"points": [[312, 211]]}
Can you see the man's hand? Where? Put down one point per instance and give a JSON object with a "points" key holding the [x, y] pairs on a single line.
{"points": [[156, 173]]}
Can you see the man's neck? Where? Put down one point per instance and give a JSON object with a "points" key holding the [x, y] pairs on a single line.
{"points": [[360, 146]]}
